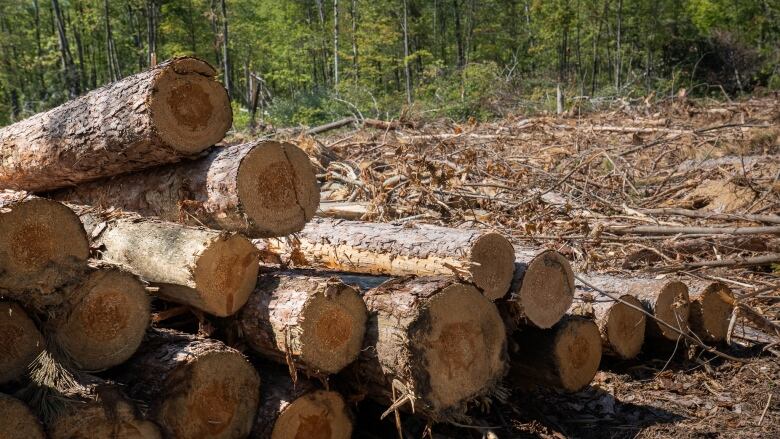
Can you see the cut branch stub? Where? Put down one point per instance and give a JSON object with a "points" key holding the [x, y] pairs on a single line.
{"points": [[622, 327], [173, 110], [17, 421], [20, 342], [315, 322], [711, 307], [542, 289]]}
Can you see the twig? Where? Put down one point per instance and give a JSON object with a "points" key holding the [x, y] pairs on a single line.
{"points": [[766, 407]]}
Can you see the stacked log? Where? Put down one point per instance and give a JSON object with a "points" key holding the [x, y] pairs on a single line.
{"points": [[20, 341], [712, 304], [17, 421]]}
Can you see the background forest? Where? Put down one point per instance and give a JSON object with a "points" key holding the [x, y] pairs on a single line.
{"points": [[311, 61]]}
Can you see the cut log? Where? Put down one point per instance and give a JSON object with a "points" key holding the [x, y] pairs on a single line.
{"points": [[261, 189], [431, 341], [566, 356], [484, 258], [209, 270], [195, 387], [17, 421], [42, 246], [312, 322], [20, 342], [622, 327], [174, 110], [711, 307], [299, 410], [103, 320]]}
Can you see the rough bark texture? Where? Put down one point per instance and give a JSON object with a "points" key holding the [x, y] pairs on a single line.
{"points": [[712, 304], [20, 342], [194, 387], [176, 109], [307, 321], [622, 327], [17, 420], [261, 189], [484, 258]]}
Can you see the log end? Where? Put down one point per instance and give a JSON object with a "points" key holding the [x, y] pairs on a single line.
{"points": [[226, 273], [20, 342], [625, 328], [547, 289], [711, 311], [317, 415], [494, 263], [278, 189], [17, 420], [577, 353], [672, 306], [109, 417]]}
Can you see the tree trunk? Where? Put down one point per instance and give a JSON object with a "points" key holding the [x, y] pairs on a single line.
{"points": [[712, 304], [226, 51], [485, 258], [68, 67], [20, 343], [209, 270], [19, 422], [355, 64], [566, 356], [260, 189], [622, 327], [42, 246], [407, 73], [335, 43], [159, 116], [432, 340], [195, 387], [304, 320]]}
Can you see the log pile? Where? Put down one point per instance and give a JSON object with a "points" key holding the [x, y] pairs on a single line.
{"points": [[146, 292]]}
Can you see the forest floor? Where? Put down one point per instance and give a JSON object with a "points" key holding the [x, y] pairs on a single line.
{"points": [[599, 188]]}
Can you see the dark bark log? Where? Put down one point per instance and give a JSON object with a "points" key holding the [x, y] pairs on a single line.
{"points": [[20, 342]]}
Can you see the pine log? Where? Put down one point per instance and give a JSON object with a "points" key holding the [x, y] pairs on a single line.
{"points": [[195, 387], [20, 342], [484, 258], [207, 269], [314, 323], [566, 356], [42, 246], [17, 421], [173, 110], [712, 304], [299, 410], [261, 189], [430, 340], [622, 327], [103, 320]]}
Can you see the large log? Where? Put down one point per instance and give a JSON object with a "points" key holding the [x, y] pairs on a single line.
{"points": [[207, 269], [261, 189], [17, 421], [171, 111], [312, 322], [566, 356], [20, 342], [712, 304], [194, 387], [42, 246], [484, 258], [433, 341]]}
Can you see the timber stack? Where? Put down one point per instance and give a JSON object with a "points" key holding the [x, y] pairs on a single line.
{"points": [[154, 284]]}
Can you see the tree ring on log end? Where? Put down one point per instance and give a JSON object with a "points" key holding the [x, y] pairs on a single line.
{"points": [[226, 273], [672, 306], [102, 419], [547, 290], [462, 342], [277, 188], [20, 341], [711, 312], [189, 109], [577, 353], [317, 415], [17, 420], [107, 324], [332, 328], [214, 396], [626, 327], [494, 264]]}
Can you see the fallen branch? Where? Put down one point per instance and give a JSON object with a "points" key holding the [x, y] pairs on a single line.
{"points": [[737, 262], [673, 230], [771, 219], [330, 126]]}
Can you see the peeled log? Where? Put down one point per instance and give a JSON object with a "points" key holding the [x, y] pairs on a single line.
{"points": [[299, 410], [433, 339], [566, 356], [622, 327], [209, 270], [20, 342], [17, 421], [484, 258], [103, 320], [261, 189], [195, 387], [173, 110], [315, 323], [711, 307], [42, 246]]}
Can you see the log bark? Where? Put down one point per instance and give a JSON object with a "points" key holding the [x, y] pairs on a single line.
{"points": [[20, 341], [209, 270], [18, 421], [42, 246], [103, 320], [566, 356], [299, 409], [311, 322], [171, 111], [194, 387], [712, 304], [260, 189], [484, 258], [433, 341]]}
